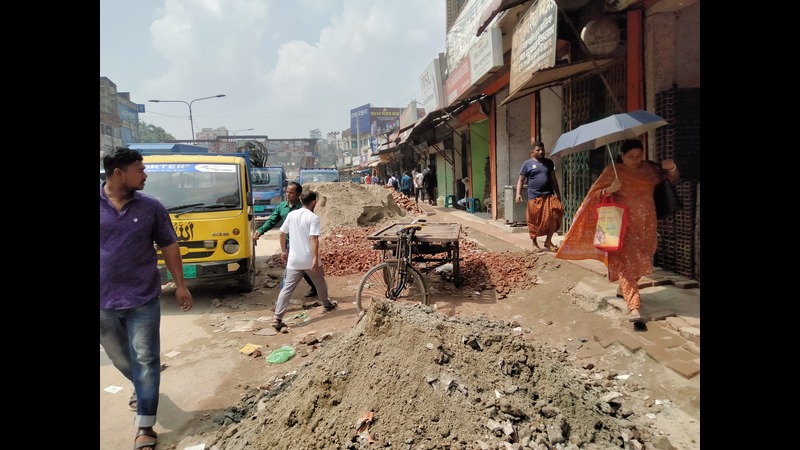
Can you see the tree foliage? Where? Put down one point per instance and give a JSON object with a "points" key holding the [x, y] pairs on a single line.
{"points": [[152, 133]]}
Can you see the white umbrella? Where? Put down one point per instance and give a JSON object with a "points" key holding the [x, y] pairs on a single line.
{"points": [[614, 128]]}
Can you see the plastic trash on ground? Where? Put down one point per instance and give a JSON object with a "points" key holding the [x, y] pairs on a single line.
{"points": [[448, 267], [281, 355]]}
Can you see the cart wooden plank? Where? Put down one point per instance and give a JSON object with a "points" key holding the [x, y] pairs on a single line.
{"points": [[432, 232]]}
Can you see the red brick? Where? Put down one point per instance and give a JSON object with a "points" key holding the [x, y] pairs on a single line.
{"points": [[676, 323], [660, 335], [658, 353], [606, 337], [686, 369], [691, 320], [683, 354], [689, 284], [692, 347], [590, 351], [632, 343], [689, 333]]}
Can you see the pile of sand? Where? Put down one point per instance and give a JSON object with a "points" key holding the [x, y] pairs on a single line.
{"points": [[350, 204], [409, 377]]}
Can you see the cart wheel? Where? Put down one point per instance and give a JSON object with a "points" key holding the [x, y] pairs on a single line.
{"points": [[380, 282]]}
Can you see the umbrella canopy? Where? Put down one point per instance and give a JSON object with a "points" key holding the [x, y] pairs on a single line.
{"points": [[614, 128]]}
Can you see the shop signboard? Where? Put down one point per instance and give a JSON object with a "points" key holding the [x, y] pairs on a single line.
{"points": [[533, 44]]}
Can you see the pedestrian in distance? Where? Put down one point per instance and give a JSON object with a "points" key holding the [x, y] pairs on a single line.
{"points": [[303, 257], [406, 184], [635, 179], [130, 283], [419, 191], [278, 216], [429, 183], [462, 203], [414, 183], [544, 211], [394, 182]]}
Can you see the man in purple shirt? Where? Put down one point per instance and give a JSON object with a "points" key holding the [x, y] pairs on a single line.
{"points": [[130, 285], [544, 211]]}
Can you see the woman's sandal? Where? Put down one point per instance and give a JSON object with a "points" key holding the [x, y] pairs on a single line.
{"points": [[150, 445]]}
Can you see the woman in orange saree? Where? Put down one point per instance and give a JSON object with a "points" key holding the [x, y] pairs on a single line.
{"points": [[633, 185]]}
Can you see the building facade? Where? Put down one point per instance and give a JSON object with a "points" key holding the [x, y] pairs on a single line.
{"points": [[564, 64], [119, 117]]}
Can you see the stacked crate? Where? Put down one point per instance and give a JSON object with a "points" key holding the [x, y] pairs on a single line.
{"points": [[680, 140], [676, 249]]}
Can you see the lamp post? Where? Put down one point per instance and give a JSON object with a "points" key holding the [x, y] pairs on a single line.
{"points": [[234, 137], [189, 104], [246, 129]]}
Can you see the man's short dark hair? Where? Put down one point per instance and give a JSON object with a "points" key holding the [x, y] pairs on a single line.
{"points": [[119, 158], [297, 187], [307, 197], [539, 144]]}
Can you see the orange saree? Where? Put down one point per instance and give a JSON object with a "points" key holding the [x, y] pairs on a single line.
{"points": [[639, 245]]}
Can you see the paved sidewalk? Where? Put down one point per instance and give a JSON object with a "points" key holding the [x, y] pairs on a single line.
{"points": [[670, 302]]}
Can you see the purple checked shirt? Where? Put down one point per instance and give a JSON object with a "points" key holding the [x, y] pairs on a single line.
{"points": [[128, 261]]}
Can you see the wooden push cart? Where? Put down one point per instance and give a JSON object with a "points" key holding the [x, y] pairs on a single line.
{"points": [[433, 239]]}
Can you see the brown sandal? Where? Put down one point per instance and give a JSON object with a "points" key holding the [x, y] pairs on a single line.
{"points": [[151, 445], [277, 324]]}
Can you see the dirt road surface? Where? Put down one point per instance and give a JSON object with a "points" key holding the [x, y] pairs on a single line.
{"points": [[212, 394]]}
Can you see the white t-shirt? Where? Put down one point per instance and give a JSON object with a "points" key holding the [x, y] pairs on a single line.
{"points": [[301, 224], [418, 180]]}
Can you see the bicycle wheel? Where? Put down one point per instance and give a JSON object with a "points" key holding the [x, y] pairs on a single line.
{"points": [[380, 281]]}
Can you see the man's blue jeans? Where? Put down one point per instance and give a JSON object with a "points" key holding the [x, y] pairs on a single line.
{"points": [[132, 340]]}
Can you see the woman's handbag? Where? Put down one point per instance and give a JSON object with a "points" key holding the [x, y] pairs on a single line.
{"points": [[666, 199], [612, 220]]}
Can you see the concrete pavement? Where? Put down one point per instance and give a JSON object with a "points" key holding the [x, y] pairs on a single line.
{"points": [[670, 302]]}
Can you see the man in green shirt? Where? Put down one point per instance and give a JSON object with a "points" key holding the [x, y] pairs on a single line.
{"points": [[293, 191]]}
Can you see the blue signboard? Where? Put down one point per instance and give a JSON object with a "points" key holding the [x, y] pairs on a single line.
{"points": [[359, 120]]}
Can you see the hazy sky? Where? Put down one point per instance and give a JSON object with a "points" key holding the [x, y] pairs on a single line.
{"points": [[285, 66]]}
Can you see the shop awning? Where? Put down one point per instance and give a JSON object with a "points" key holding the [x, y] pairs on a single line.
{"points": [[431, 120], [549, 77], [496, 7], [368, 165], [395, 139]]}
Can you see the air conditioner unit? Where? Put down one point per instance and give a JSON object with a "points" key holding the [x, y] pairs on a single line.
{"points": [[515, 212]]}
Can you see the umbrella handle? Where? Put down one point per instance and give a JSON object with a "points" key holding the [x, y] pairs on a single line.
{"points": [[613, 166]]}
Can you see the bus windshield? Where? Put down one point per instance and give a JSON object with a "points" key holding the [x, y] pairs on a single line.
{"points": [[328, 175], [205, 186], [265, 179]]}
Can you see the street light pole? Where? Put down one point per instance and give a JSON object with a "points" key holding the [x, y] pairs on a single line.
{"points": [[234, 137], [189, 104], [246, 129]]}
